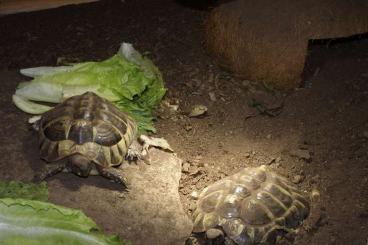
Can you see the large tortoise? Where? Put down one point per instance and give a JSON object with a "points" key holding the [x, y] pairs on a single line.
{"points": [[250, 207], [87, 134]]}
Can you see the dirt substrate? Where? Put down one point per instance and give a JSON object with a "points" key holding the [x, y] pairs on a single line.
{"points": [[317, 135]]}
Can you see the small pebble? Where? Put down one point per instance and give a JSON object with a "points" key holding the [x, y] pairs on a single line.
{"points": [[315, 195], [185, 167], [194, 195], [198, 110], [212, 96], [297, 179], [246, 83]]}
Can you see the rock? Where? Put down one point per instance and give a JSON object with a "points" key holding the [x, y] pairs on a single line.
{"points": [[185, 168], [153, 205], [194, 195], [315, 195], [149, 213], [246, 83], [301, 154], [168, 110], [212, 96], [297, 179], [198, 110]]}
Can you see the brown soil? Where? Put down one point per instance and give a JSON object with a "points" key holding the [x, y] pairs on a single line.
{"points": [[327, 118]]}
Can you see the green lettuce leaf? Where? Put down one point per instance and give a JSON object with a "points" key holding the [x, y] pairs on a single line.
{"points": [[29, 222], [128, 79], [17, 189]]}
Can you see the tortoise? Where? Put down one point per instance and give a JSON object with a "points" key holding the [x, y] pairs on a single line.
{"points": [[85, 135], [253, 206]]}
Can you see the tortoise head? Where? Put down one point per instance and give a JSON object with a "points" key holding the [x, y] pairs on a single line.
{"points": [[80, 165]]}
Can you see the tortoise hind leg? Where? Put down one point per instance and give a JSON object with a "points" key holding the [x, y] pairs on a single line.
{"points": [[49, 170], [112, 174]]}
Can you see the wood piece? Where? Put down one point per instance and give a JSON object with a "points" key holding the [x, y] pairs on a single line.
{"points": [[18, 6]]}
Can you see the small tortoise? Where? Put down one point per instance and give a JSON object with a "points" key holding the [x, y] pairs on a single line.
{"points": [[91, 134], [250, 207]]}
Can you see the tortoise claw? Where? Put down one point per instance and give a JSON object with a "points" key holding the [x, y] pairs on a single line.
{"points": [[113, 174]]}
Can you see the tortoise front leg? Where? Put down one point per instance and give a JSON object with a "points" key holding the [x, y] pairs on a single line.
{"points": [[49, 170], [112, 174]]}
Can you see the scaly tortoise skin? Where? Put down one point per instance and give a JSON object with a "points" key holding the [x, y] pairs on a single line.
{"points": [[91, 133], [250, 207]]}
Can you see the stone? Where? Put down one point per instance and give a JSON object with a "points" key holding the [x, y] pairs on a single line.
{"points": [[185, 168], [315, 195], [297, 179], [198, 110], [150, 212], [212, 96], [153, 204], [194, 195]]}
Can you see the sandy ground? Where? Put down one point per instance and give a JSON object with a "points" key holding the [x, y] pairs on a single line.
{"points": [[326, 119]]}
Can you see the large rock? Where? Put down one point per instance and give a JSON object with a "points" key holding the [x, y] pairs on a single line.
{"points": [[265, 40], [150, 213], [153, 208]]}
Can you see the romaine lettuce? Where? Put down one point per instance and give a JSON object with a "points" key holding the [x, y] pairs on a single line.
{"points": [[30, 222], [128, 79]]}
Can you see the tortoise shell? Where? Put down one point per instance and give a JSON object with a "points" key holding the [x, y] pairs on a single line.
{"points": [[251, 206], [89, 125]]}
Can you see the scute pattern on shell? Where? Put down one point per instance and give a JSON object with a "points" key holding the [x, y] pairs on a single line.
{"points": [[89, 125], [250, 206]]}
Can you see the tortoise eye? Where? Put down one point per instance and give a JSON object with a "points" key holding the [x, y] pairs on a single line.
{"points": [[106, 135]]}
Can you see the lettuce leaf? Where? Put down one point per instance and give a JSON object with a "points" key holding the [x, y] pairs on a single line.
{"points": [[128, 79], [29, 222], [17, 189]]}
